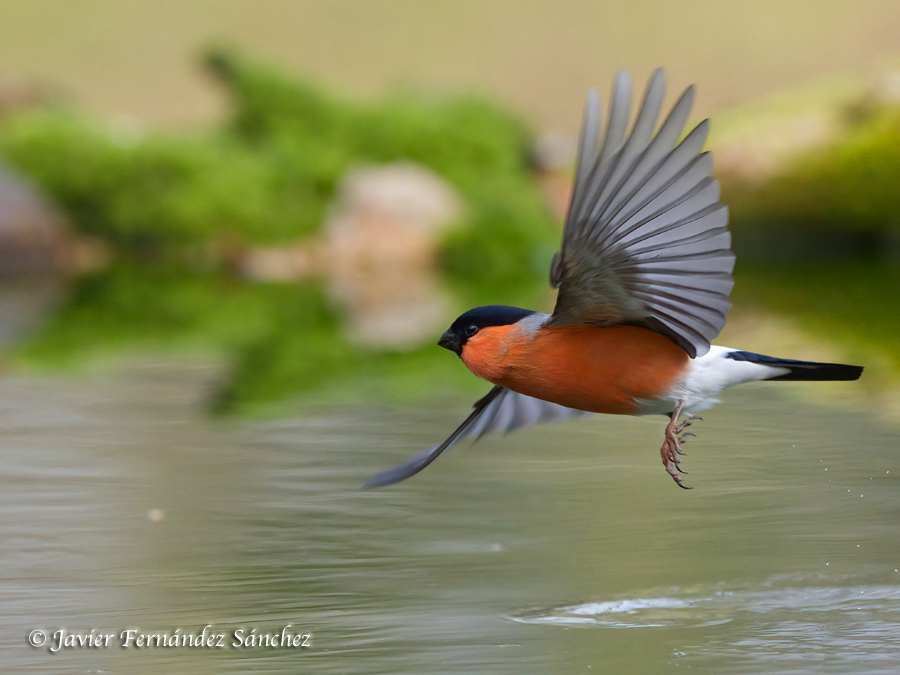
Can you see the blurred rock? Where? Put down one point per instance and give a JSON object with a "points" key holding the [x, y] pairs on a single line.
{"points": [[280, 263], [380, 253], [35, 247], [19, 96], [33, 235]]}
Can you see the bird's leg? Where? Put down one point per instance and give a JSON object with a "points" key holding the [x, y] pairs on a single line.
{"points": [[671, 446]]}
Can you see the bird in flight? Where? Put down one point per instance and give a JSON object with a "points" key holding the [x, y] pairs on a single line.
{"points": [[644, 273]]}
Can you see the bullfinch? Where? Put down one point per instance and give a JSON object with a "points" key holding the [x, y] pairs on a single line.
{"points": [[644, 273]]}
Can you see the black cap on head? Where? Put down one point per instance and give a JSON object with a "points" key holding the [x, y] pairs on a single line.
{"points": [[474, 320]]}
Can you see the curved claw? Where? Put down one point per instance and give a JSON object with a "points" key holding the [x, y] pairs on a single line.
{"points": [[687, 433], [681, 485], [671, 450]]}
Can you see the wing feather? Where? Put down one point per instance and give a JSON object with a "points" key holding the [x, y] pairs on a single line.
{"points": [[629, 156], [609, 152], [635, 187], [664, 197], [690, 213], [501, 410], [671, 179], [646, 239]]}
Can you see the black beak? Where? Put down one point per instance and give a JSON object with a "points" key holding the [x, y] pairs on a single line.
{"points": [[450, 341]]}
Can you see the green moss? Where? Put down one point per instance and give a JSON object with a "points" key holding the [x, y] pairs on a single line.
{"points": [[156, 191], [148, 307], [505, 250], [269, 175]]}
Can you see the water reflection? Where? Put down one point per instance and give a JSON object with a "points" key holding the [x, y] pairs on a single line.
{"points": [[123, 506], [24, 303]]}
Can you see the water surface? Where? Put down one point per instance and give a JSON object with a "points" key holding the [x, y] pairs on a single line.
{"points": [[560, 550]]}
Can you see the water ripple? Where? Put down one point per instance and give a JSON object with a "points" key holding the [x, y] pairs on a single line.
{"points": [[720, 606]]}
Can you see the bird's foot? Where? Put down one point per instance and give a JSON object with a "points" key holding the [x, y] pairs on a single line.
{"points": [[688, 422], [671, 448]]}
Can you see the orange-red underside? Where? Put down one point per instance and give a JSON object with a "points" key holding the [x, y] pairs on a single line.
{"points": [[598, 369]]}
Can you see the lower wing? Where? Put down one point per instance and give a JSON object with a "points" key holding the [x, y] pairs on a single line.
{"points": [[501, 410]]}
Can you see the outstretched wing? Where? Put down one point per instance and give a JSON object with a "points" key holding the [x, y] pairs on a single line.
{"points": [[501, 410], [646, 239]]}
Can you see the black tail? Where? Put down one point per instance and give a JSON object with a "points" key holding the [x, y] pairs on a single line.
{"points": [[801, 370]]}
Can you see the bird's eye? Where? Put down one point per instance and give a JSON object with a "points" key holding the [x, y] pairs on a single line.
{"points": [[471, 329]]}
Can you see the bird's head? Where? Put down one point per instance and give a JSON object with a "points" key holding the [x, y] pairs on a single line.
{"points": [[473, 322]]}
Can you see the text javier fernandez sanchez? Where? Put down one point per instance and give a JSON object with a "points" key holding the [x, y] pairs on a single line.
{"points": [[135, 638]]}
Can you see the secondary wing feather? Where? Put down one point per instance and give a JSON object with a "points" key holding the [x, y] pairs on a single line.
{"points": [[501, 410], [646, 239]]}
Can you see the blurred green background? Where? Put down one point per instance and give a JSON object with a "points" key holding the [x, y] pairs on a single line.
{"points": [[197, 152]]}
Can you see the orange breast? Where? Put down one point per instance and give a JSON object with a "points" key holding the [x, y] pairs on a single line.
{"points": [[599, 369]]}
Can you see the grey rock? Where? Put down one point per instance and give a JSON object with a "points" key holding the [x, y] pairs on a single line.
{"points": [[33, 234]]}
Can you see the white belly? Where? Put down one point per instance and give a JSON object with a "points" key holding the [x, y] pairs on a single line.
{"points": [[706, 377]]}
